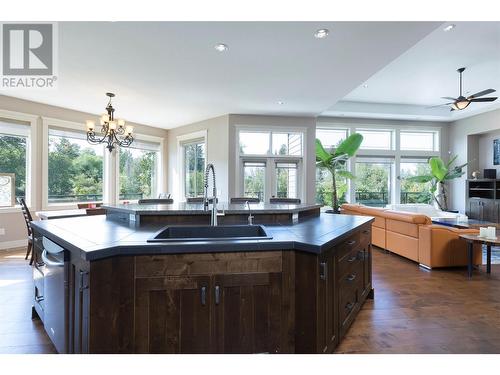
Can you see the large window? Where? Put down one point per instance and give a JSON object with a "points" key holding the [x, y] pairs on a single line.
{"points": [[75, 168], [270, 163], [14, 139], [331, 137], [374, 181], [412, 192], [254, 175], [138, 171], [377, 139], [419, 141], [194, 167]]}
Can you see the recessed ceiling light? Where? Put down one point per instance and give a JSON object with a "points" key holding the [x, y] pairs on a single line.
{"points": [[365, 86], [280, 102], [321, 33], [221, 47], [449, 27]]}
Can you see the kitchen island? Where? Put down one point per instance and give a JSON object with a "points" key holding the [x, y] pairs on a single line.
{"points": [[296, 291]]}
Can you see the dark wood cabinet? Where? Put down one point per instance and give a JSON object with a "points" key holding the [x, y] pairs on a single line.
{"points": [[247, 312], [327, 303], [483, 200], [173, 315]]}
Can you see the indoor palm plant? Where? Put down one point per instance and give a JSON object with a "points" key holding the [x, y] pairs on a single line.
{"points": [[335, 161], [440, 172]]}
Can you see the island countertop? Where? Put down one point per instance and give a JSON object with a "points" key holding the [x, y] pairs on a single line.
{"points": [[184, 208], [97, 237]]}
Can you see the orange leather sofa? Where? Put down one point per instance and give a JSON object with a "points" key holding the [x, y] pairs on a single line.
{"points": [[415, 237]]}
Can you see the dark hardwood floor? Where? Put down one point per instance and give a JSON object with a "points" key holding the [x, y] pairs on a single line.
{"points": [[414, 311]]}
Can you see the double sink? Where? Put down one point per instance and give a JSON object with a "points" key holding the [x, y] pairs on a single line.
{"points": [[210, 233]]}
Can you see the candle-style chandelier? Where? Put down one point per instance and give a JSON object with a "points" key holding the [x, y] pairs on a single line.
{"points": [[113, 132]]}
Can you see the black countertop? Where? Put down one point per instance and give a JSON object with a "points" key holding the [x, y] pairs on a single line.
{"points": [[95, 237], [183, 208]]}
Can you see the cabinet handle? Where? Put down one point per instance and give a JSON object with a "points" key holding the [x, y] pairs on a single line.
{"points": [[352, 242], [217, 294], [349, 306], [351, 277], [322, 271], [203, 295], [352, 259], [82, 286], [39, 298], [366, 231]]}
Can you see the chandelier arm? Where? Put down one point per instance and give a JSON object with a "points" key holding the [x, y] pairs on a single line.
{"points": [[91, 137]]}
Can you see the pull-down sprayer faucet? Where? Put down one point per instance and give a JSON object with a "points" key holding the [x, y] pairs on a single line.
{"points": [[213, 216]]}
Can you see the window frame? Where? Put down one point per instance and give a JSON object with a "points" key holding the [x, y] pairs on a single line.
{"points": [[270, 183], [183, 140], [435, 139], [31, 160]]}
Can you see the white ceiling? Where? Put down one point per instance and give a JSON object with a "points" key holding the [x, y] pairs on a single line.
{"points": [[168, 74], [421, 76]]}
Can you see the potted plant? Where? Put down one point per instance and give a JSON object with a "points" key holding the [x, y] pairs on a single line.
{"points": [[335, 160], [440, 172]]}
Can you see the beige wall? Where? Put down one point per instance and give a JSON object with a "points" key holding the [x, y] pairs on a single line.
{"points": [[464, 141], [216, 149], [15, 230]]}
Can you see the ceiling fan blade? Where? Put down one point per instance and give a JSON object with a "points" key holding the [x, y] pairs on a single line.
{"points": [[491, 99], [448, 98], [439, 105], [481, 93]]}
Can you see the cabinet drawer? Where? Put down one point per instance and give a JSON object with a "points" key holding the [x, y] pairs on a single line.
{"points": [[365, 236], [349, 262], [349, 302], [351, 243]]}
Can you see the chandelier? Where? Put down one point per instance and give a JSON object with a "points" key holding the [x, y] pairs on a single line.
{"points": [[113, 132]]}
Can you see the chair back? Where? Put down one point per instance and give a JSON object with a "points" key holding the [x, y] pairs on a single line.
{"points": [[156, 201], [27, 215], [245, 199], [89, 205], [285, 200]]}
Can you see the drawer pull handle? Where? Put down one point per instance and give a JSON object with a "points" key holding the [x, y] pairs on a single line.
{"points": [[217, 294], [349, 306], [39, 299], [203, 293], [352, 259], [322, 271], [352, 242], [366, 231], [351, 277]]}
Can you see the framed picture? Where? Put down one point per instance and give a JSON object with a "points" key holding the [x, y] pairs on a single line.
{"points": [[7, 189], [496, 152]]}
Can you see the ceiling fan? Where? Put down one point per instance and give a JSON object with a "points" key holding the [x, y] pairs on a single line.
{"points": [[463, 102]]}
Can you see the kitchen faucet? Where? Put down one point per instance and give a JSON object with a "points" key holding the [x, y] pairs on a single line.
{"points": [[213, 216], [250, 216]]}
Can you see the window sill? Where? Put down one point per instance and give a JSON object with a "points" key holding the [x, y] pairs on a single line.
{"points": [[9, 210]]}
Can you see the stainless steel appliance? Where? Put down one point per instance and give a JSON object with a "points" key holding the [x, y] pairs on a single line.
{"points": [[55, 293]]}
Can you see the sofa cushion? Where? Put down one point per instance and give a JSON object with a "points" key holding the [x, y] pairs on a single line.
{"points": [[403, 227], [408, 217], [403, 245]]}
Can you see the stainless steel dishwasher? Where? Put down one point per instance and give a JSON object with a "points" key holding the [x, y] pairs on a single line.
{"points": [[56, 291]]}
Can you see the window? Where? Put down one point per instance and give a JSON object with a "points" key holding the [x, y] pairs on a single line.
{"points": [[75, 168], [419, 141], [14, 143], [286, 180], [254, 179], [412, 192], [331, 137], [194, 167], [270, 163], [138, 170], [377, 139], [373, 181]]}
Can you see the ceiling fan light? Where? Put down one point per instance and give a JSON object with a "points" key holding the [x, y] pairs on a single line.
{"points": [[461, 104]]}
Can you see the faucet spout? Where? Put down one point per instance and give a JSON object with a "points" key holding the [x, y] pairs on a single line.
{"points": [[213, 216]]}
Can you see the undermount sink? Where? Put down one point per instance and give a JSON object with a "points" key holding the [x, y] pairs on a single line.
{"points": [[210, 233]]}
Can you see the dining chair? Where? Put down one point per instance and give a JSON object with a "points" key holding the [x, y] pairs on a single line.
{"points": [[285, 200], [28, 219], [245, 199]]}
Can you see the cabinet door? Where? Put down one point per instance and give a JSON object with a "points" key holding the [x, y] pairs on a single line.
{"points": [[173, 315], [79, 307], [327, 329], [490, 210], [366, 257], [476, 209], [248, 312]]}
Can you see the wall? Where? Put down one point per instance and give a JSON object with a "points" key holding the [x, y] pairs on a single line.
{"points": [[462, 143], [216, 149], [13, 222], [309, 123], [485, 157]]}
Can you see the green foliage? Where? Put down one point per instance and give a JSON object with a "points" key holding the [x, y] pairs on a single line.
{"points": [[13, 160], [137, 174], [335, 160]]}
